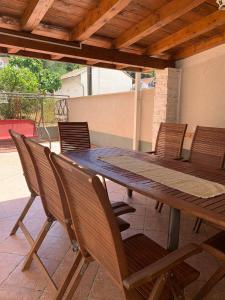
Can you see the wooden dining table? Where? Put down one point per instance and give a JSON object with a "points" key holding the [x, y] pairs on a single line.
{"points": [[211, 209]]}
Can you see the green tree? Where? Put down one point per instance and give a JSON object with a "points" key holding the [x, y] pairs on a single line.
{"points": [[48, 73], [14, 79]]}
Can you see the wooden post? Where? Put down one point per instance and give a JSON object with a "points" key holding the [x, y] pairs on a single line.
{"points": [[137, 111]]}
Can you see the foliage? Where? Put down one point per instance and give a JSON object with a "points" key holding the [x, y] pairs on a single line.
{"points": [[26, 75], [48, 73], [14, 79]]}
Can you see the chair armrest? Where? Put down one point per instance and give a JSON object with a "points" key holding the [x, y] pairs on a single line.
{"points": [[150, 152], [161, 266]]}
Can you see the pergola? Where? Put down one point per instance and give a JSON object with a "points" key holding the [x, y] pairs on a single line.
{"points": [[122, 34]]}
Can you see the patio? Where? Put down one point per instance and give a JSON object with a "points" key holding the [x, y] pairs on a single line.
{"points": [[129, 35], [95, 285]]}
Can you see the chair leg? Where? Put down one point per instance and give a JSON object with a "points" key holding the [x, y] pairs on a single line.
{"points": [[213, 280], [77, 278], [37, 243], [160, 208], [129, 193], [158, 288], [157, 205], [65, 284], [23, 214], [197, 225]]}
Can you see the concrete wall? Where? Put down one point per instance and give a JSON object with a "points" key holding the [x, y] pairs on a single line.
{"points": [[104, 81], [203, 90], [110, 118], [71, 87]]}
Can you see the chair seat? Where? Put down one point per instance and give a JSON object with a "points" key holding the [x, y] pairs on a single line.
{"points": [[142, 251], [216, 245], [121, 208], [123, 225]]}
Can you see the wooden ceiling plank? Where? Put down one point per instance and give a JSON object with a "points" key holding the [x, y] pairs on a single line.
{"points": [[34, 13], [31, 42], [200, 46], [156, 20], [193, 30], [9, 23], [97, 17]]}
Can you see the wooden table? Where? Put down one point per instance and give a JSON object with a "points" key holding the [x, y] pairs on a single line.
{"points": [[211, 210]]}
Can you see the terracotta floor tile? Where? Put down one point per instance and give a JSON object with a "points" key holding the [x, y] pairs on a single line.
{"points": [[57, 254], [15, 244], [33, 278], [19, 294], [8, 263], [104, 288]]}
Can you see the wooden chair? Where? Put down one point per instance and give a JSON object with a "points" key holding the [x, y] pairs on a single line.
{"points": [[216, 247], [139, 266], [75, 136], [169, 144], [30, 176], [208, 149], [54, 203], [169, 141]]}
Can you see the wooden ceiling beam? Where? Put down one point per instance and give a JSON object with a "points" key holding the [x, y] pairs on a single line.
{"points": [[66, 59], [191, 31], [56, 57], [200, 46], [34, 43], [13, 50], [156, 20], [97, 17], [34, 13]]}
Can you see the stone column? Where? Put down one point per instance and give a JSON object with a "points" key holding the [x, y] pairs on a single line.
{"points": [[166, 100]]}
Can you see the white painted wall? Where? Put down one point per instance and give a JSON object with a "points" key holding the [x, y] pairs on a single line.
{"points": [[104, 81], [71, 87], [203, 90]]}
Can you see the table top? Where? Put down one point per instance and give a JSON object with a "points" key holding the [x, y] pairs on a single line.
{"points": [[211, 209]]}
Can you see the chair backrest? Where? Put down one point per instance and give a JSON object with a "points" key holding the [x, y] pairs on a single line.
{"points": [[208, 146], [95, 225], [74, 136], [26, 162], [170, 138], [50, 186]]}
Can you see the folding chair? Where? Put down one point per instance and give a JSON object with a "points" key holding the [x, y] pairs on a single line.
{"points": [[169, 144], [207, 149], [141, 268], [54, 203], [30, 176], [216, 247], [75, 136]]}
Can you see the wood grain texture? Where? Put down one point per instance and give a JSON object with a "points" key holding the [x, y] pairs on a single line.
{"points": [[34, 13], [156, 20], [211, 210], [97, 17]]}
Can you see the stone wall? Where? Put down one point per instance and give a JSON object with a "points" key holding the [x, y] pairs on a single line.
{"points": [[166, 100]]}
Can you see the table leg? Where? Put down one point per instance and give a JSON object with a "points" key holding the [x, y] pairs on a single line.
{"points": [[174, 229], [129, 193]]}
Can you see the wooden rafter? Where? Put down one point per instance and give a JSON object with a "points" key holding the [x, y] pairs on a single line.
{"points": [[34, 13], [13, 50], [157, 19], [56, 57], [193, 30], [31, 42], [97, 17], [200, 46]]}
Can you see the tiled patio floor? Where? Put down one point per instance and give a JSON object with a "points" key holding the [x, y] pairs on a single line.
{"points": [[56, 252]]}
